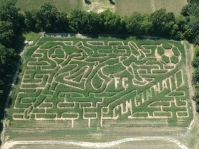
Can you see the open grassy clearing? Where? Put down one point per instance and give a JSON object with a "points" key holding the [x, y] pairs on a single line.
{"points": [[31, 36], [126, 7]]}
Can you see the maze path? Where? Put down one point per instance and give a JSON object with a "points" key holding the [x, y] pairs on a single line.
{"points": [[96, 81]]}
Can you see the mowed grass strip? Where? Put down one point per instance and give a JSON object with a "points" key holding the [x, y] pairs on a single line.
{"points": [[62, 5], [127, 7]]}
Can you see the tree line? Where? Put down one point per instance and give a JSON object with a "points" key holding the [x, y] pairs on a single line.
{"points": [[13, 23], [11, 41], [160, 23], [191, 12]]}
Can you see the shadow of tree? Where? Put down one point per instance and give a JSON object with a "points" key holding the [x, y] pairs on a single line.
{"points": [[112, 2], [87, 2]]}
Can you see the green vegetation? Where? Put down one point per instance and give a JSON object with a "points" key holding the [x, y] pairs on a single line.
{"points": [[31, 36], [11, 40], [91, 80], [57, 81], [191, 12]]}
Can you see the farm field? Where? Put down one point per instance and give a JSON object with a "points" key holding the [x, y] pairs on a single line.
{"points": [[98, 6], [126, 7], [62, 5], [100, 90], [122, 7]]}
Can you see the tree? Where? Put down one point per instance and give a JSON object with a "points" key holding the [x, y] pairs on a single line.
{"points": [[78, 21], [9, 13], [7, 60], [196, 50], [195, 62], [7, 35], [62, 24], [162, 22], [112, 22], [196, 76], [133, 23], [47, 19], [194, 26], [93, 24], [185, 10], [31, 20], [11, 26]]}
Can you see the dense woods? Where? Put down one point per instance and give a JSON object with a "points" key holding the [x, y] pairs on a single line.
{"points": [[48, 19], [11, 41]]}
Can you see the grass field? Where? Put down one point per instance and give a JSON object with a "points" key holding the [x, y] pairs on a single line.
{"points": [[98, 6], [99, 86], [122, 7], [31, 36], [126, 7], [62, 5]]}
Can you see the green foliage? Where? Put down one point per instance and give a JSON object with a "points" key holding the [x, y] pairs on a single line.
{"points": [[11, 25], [78, 20], [7, 60], [195, 62], [196, 76], [196, 50], [133, 23], [162, 22], [112, 22], [47, 18]]}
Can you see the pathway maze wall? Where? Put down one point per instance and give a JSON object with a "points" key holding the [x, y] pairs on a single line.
{"points": [[103, 83]]}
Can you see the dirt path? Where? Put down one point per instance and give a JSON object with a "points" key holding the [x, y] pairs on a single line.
{"points": [[189, 57], [11, 144]]}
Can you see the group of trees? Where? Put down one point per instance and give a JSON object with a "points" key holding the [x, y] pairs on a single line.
{"points": [[11, 39], [47, 18], [191, 13], [160, 23]]}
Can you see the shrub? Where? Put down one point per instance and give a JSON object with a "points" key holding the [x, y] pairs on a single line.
{"points": [[195, 62], [196, 76], [196, 50]]}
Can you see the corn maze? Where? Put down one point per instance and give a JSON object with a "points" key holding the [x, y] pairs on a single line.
{"points": [[97, 83]]}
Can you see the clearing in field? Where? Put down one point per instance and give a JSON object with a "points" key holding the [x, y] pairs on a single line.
{"points": [[99, 84]]}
